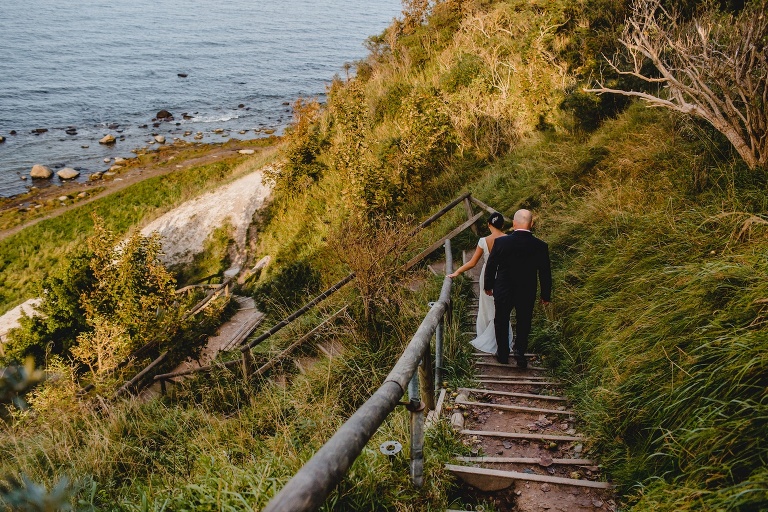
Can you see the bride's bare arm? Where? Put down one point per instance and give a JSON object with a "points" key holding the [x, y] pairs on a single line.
{"points": [[470, 264]]}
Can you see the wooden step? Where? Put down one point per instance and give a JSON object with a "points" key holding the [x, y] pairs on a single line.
{"points": [[486, 354], [520, 435], [523, 460], [516, 377], [514, 407], [520, 382], [510, 393], [494, 480], [488, 363]]}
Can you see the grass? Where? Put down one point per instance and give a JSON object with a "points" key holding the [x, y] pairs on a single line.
{"points": [[27, 256]]}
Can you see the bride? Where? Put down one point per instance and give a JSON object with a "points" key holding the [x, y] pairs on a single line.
{"points": [[486, 336]]}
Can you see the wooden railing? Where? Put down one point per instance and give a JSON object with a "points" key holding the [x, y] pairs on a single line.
{"points": [[246, 360]]}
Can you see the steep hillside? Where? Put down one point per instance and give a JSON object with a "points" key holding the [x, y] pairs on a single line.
{"points": [[659, 239]]}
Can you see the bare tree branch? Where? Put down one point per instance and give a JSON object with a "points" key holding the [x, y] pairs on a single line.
{"points": [[714, 67]]}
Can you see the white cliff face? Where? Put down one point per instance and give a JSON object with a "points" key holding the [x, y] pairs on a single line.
{"points": [[10, 320], [185, 228]]}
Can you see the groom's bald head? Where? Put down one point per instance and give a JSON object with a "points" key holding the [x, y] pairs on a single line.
{"points": [[522, 219]]}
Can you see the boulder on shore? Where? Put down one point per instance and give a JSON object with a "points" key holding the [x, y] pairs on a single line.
{"points": [[107, 139], [159, 139], [68, 173], [40, 172], [95, 176], [164, 114]]}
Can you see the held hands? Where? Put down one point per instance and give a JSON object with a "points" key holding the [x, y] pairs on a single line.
{"points": [[489, 293]]}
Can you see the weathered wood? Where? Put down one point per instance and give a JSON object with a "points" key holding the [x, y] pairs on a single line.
{"points": [[521, 408], [467, 472], [427, 379], [523, 460], [299, 312], [500, 365], [482, 205], [520, 435], [434, 416], [445, 209], [485, 354], [272, 362], [208, 368], [516, 377], [126, 387], [432, 248], [510, 393], [470, 214], [520, 382]]}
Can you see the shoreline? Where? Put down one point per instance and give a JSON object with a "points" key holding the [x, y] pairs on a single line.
{"points": [[24, 210]]}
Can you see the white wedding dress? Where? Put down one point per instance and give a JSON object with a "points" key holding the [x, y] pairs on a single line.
{"points": [[486, 334]]}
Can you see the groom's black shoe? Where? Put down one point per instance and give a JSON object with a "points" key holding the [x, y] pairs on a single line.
{"points": [[522, 362], [502, 360]]}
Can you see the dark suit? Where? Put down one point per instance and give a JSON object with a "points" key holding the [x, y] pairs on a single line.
{"points": [[516, 262]]}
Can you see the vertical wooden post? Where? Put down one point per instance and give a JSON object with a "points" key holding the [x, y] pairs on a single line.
{"points": [[163, 391], [247, 363], [470, 214]]}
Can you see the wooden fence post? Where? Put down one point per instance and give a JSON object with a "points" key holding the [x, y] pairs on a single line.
{"points": [[247, 363], [470, 214]]}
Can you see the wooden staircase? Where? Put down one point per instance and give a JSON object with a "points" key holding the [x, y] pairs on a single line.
{"points": [[526, 453]]}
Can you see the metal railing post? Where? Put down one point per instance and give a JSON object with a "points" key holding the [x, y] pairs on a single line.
{"points": [[439, 355], [417, 431]]}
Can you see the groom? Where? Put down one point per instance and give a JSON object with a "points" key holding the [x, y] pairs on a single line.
{"points": [[516, 262]]}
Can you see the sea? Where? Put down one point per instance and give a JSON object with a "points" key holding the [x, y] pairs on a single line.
{"points": [[73, 71]]}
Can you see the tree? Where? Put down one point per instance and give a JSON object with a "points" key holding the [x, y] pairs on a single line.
{"points": [[714, 67]]}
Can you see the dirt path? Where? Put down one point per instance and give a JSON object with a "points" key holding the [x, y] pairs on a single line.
{"points": [[526, 452]]}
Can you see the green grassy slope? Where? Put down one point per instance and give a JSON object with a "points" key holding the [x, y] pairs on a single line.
{"points": [[659, 239]]}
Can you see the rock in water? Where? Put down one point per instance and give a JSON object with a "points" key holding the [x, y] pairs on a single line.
{"points": [[160, 139], [68, 173], [164, 114], [2, 139], [40, 172], [107, 139], [182, 75]]}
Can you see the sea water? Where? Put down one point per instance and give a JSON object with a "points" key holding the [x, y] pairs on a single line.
{"points": [[106, 66]]}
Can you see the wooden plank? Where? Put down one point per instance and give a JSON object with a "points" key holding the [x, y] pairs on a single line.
{"points": [[125, 387], [516, 377], [523, 460], [483, 363], [520, 382], [520, 408], [516, 475], [520, 435], [445, 209], [435, 246], [510, 393], [483, 205], [470, 214], [486, 354]]}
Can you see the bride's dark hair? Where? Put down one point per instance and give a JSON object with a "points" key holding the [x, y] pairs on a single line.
{"points": [[496, 220]]}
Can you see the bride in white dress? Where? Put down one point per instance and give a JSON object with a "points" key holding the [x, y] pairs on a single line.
{"points": [[486, 335]]}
